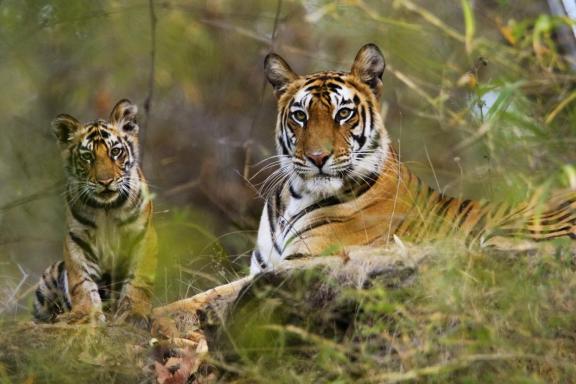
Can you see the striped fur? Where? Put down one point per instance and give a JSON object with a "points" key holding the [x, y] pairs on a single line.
{"points": [[110, 245], [340, 182]]}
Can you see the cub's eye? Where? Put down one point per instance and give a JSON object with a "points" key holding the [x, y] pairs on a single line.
{"points": [[299, 116], [344, 113], [116, 151], [86, 156]]}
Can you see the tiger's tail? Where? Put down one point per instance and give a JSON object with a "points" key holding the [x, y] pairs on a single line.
{"points": [[52, 296]]}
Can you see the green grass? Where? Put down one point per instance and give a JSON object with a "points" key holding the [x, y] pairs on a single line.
{"points": [[463, 317]]}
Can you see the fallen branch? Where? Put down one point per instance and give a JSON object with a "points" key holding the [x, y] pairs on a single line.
{"points": [[356, 266]]}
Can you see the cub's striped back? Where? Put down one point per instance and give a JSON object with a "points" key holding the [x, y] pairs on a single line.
{"points": [[340, 182]]}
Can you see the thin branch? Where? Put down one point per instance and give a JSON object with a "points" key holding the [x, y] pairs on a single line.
{"points": [[43, 193], [249, 142], [152, 70]]}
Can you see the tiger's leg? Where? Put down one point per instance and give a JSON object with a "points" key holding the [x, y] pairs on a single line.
{"points": [[82, 274], [135, 299], [52, 297]]}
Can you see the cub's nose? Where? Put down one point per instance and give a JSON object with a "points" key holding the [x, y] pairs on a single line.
{"points": [[106, 182], [319, 158]]}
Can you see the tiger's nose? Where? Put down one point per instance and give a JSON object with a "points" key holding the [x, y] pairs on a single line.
{"points": [[319, 157], [106, 182]]}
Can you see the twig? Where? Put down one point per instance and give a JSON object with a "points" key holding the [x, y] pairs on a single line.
{"points": [[450, 366], [433, 19], [249, 142], [42, 194], [552, 115], [15, 296], [152, 70], [378, 260]]}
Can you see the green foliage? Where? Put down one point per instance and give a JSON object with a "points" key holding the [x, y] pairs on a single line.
{"points": [[497, 131], [52, 354], [466, 317]]}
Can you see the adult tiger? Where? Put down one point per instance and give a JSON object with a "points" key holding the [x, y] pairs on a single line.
{"points": [[110, 248], [342, 183]]}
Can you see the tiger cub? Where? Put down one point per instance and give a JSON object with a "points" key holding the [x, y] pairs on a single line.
{"points": [[110, 249], [340, 182]]}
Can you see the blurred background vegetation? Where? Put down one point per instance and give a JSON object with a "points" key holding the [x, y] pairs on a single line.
{"points": [[479, 99]]}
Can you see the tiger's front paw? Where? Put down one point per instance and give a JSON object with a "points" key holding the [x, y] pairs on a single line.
{"points": [[94, 317]]}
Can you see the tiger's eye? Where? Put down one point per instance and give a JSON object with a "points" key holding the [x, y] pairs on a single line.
{"points": [[116, 151], [299, 116], [86, 156], [344, 113]]}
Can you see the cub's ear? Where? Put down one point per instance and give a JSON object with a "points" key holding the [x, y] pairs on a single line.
{"points": [[369, 66], [124, 115], [64, 126], [278, 73]]}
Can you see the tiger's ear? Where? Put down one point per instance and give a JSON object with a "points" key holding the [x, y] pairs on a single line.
{"points": [[64, 126], [369, 66], [124, 115], [278, 73]]}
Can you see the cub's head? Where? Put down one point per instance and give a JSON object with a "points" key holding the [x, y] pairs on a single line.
{"points": [[329, 130], [101, 156]]}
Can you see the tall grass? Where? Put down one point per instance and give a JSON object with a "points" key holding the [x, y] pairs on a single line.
{"points": [[479, 99]]}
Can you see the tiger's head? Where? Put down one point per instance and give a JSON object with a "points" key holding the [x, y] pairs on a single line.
{"points": [[100, 157], [329, 129]]}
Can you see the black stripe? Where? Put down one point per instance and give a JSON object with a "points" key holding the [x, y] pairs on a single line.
{"points": [[322, 222], [120, 200], [552, 221], [77, 285], [374, 143], [93, 276], [294, 194], [259, 259], [271, 217], [61, 268], [529, 232], [559, 208], [310, 81], [47, 280], [285, 151], [277, 248], [54, 279], [334, 200], [361, 140], [464, 210], [40, 297], [333, 87], [94, 135], [136, 211], [312, 88], [104, 133], [85, 247], [447, 201], [478, 228], [81, 219]]}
